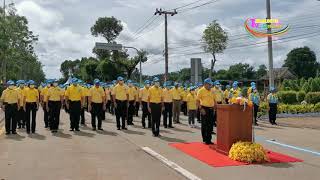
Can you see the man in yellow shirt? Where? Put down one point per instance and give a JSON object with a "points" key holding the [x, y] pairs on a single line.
{"points": [[132, 101], [21, 120], [74, 103], [176, 96], [9, 104], [143, 97], [155, 105], [108, 98], [206, 103], [54, 105], [235, 91], [120, 99], [167, 100], [85, 92], [192, 106], [227, 94], [44, 102], [31, 100], [97, 104]]}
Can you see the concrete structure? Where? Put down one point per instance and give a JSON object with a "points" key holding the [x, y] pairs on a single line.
{"points": [[196, 70]]}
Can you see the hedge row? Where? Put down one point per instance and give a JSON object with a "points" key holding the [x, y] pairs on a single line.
{"points": [[294, 97], [292, 109]]}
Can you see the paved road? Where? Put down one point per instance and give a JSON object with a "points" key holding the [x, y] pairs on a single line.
{"points": [[118, 155]]}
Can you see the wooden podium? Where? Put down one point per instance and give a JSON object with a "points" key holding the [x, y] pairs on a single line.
{"points": [[233, 125]]}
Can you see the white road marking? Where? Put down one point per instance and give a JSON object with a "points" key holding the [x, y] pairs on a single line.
{"points": [[171, 164]]}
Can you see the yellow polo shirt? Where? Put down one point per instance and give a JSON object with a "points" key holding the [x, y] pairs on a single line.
{"points": [[206, 97], [218, 95], [108, 94], [132, 93], [97, 94], [192, 101], [74, 93], [176, 95], [120, 92], [184, 96], [44, 93], [167, 95], [54, 94], [155, 94], [144, 94], [21, 96], [31, 95], [10, 96]]}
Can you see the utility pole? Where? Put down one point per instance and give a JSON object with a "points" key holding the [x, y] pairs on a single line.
{"points": [[166, 54], [4, 63], [270, 51]]}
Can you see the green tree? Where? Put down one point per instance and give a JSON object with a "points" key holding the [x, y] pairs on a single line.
{"points": [[262, 71], [130, 64], [302, 62], [215, 41], [241, 71], [107, 27]]}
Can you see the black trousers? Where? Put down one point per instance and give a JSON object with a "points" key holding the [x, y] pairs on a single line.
{"points": [[145, 114], [198, 115], [74, 111], [10, 117], [184, 108], [131, 111], [108, 106], [137, 108], [273, 112], [45, 115], [215, 116], [192, 115], [82, 116], [54, 117], [255, 112], [121, 113], [155, 118], [31, 108], [96, 113], [112, 108], [21, 117], [207, 124], [167, 113]]}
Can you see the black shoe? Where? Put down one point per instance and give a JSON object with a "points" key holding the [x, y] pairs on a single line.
{"points": [[118, 128], [275, 124], [78, 130], [33, 132], [213, 132], [14, 132], [28, 132], [100, 129], [171, 127], [209, 143], [124, 128], [19, 127], [94, 129], [7, 133], [166, 127], [256, 124]]}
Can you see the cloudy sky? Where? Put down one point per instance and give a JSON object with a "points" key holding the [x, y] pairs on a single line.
{"points": [[63, 27]]}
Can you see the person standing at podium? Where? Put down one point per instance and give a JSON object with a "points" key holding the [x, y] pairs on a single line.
{"points": [[206, 103]]}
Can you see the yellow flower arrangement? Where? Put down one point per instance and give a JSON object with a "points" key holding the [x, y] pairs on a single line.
{"points": [[248, 152], [241, 101]]}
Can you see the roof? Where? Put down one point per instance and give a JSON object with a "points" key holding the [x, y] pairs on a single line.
{"points": [[280, 73]]}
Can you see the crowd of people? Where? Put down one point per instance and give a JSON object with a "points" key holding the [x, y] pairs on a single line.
{"points": [[22, 99]]}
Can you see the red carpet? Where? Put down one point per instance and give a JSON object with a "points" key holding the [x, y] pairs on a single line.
{"points": [[209, 156]]}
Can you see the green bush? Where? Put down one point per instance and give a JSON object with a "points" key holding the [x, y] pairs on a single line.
{"points": [[288, 97], [301, 96], [313, 97], [316, 107]]}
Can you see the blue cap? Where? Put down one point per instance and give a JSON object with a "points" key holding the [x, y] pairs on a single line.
{"points": [[147, 82], [235, 84], [176, 84], [80, 81], [120, 78], [156, 79], [74, 80], [216, 83], [49, 81], [208, 81], [254, 87], [192, 88], [10, 82], [272, 89], [252, 83], [96, 81], [31, 82], [228, 86], [129, 81]]}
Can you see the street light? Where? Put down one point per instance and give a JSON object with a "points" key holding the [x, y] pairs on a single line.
{"points": [[117, 47]]}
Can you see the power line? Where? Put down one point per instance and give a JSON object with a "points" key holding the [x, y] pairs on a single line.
{"points": [[144, 24], [186, 5]]}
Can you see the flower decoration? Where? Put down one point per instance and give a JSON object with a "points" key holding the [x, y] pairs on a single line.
{"points": [[248, 152]]}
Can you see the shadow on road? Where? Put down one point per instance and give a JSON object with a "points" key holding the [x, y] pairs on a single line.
{"points": [[37, 136], [278, 165], [84, 134], [165, 131], [134, 132], [182, 130], [169, 139], [15, 137], [109, 133], [62, 135]]}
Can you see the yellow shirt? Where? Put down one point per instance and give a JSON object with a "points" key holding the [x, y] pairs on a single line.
{"points": [[192, 101], [120, 92], [97, 94], [31, 95], [144, 94], [176, 95], [155, 94], [235, 93], [44, 93], [218, 95], [249, 91], [54, 94], [137, 94], [10, 96], [108, 94], [226, 94], [85, 91], [184, 96], [167, 95], [206, 97], [74, 93], [21, 96], [132, 93]]}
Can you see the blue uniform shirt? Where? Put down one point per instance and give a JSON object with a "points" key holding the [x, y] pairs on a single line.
{"points": [[272, 98]]}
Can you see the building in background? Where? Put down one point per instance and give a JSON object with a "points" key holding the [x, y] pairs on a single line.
{"points": [[196, 70]]}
